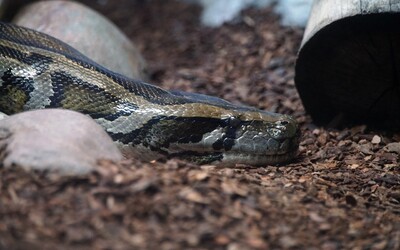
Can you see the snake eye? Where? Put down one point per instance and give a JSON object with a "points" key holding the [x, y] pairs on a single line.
{"points": [[234, 122]]}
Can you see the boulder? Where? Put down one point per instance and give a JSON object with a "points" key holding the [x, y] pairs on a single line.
{"points": [[2, 115], [55, 140], [87, 31]]}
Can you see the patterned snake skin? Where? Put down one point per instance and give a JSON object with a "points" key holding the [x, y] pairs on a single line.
{"points": [[38, 71]]}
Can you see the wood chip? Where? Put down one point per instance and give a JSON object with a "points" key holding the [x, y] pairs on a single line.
{"points": [[393, 147], [376, 139]]}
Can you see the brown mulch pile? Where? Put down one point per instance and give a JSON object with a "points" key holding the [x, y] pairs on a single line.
{"points": [[342, 192]]}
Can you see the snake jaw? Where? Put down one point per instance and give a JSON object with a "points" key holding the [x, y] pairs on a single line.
{"points": [[256, 160], [281, 145]]}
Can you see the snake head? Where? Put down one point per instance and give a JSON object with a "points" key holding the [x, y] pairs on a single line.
{"points": [[262, 139]]}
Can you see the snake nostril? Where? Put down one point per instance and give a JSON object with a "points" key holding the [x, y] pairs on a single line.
{"points": [[284, 122]]}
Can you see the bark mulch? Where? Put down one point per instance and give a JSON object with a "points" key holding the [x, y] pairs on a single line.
{"points": [[342, 192]]}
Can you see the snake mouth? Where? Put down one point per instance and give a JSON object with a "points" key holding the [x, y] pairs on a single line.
{"points": [[232, 159]]}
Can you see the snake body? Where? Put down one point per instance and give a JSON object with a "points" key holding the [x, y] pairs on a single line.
{"points": [[38, 71]]}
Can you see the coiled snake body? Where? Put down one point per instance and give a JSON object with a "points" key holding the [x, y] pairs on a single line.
{"points": [[38, 71]]}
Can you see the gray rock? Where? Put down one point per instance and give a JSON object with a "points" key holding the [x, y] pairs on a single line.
{"points": [[56, 140], [2, 116], [87, 31]]}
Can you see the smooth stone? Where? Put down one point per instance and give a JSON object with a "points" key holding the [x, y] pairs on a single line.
{"points": [[2, 116], [56, 140], [87, 31]]}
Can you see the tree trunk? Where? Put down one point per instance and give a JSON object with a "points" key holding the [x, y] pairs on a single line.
{"points": [[349, 62]]}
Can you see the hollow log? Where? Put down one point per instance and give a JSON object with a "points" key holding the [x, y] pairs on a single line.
{"points": [[349, 62]]}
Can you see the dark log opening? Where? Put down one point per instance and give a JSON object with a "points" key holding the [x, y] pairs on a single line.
{"points": [[351, 67]]}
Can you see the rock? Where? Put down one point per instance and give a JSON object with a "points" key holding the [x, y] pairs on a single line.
{"points": [[56, 140], [87, 31], [2, 115]]}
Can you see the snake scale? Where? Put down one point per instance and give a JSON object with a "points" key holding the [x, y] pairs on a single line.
{"points": [[38, 71]]}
